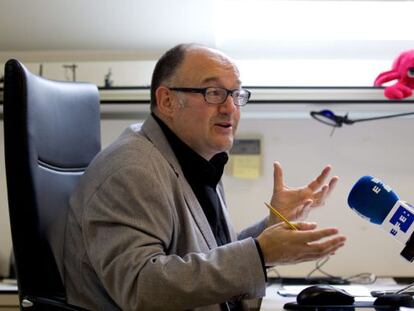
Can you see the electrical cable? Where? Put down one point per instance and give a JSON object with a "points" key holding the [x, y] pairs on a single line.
{"points": [[360, 278]]}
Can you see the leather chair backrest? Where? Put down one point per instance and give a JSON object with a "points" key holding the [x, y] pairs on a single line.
{"points": [[51, 133]]}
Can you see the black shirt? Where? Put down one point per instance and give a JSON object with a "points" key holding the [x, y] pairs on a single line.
{"points": [[203, 177]]}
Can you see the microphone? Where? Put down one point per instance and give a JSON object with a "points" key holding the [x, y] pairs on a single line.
{"points": [[375, 201]]}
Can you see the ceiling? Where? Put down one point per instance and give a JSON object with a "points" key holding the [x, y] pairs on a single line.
{"points": [[116, 26], [131, 29]]}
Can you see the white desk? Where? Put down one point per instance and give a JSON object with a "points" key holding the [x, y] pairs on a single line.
{"points": [[273, 301], [9, 300]]}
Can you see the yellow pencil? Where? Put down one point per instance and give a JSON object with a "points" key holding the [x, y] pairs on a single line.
{"points": [[275, 211]]}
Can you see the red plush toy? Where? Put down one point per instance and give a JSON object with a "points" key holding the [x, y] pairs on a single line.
{"points": [[402, 71]]}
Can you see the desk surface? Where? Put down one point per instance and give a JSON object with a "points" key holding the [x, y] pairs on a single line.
{"points": [[9, 300], [8, 287], [273, 301]]}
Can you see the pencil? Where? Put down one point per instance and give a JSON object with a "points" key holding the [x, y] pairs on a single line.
{"points": [[278, 214]]}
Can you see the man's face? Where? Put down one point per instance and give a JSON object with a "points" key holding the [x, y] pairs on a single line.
{"points": [[207, 128]]}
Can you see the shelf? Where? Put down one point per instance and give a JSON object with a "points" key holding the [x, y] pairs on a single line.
{"points": [[269, 95], [265, 95]]}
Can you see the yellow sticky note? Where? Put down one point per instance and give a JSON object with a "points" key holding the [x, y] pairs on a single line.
{"points": [[245, 158], [246, 166]]}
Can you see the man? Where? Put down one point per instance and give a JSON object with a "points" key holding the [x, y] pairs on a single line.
{"points": [[147, 228]]}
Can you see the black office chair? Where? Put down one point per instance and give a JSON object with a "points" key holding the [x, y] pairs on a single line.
{"points": [[51, 133]]}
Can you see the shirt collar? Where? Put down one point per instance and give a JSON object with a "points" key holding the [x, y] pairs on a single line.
{"points": [[195, 168]]}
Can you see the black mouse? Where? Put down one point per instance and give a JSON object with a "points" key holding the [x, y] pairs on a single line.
{"points": [[395, 300], [323, 295]]}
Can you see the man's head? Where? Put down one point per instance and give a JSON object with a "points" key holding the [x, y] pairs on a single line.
{"points": [[165, 69], [208, 128]]}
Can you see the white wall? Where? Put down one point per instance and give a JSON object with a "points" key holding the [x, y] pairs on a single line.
{"points": [[299, 143], [303, 146]]}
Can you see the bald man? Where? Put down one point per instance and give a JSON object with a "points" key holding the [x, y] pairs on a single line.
{"points": [[148, 227]]}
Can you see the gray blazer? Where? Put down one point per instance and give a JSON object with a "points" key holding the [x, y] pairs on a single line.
{"points": [[137, 238]]}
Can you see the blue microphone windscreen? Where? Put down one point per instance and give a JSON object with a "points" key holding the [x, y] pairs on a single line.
{"points": [[371, 198]]}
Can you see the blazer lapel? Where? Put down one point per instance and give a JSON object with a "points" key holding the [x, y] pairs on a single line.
{"points": [[153, 132], [220, 192]]}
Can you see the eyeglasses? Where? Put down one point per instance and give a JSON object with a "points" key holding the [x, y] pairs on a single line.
{"points": [[218, 95]]}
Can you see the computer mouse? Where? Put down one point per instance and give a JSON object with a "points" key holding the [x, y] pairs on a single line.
{"points": [[322, 295], [395, 300]]}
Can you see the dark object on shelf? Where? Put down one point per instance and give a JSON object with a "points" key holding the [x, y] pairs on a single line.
{"points": [[72, 68], [108, 79]]}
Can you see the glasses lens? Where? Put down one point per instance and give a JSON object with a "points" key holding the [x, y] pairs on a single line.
{"points": [[241, 97], [215, 95], [218, 95]]}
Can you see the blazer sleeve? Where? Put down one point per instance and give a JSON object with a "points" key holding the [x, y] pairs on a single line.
{"points": [[254, 230], [131, 226]]}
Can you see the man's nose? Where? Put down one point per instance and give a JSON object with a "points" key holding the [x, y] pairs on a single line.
{"points": [[228, 106]]}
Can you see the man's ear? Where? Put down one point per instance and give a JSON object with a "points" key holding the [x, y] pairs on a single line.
{"points": [[165, 101]]}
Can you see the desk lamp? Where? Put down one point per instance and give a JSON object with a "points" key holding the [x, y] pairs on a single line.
{"points": [[328, 117]]}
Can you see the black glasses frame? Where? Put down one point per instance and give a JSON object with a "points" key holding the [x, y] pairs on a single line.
{"points": [[204, 92]]}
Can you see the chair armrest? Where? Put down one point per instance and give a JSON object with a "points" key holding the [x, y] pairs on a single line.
{"points": [[50, 304]]}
